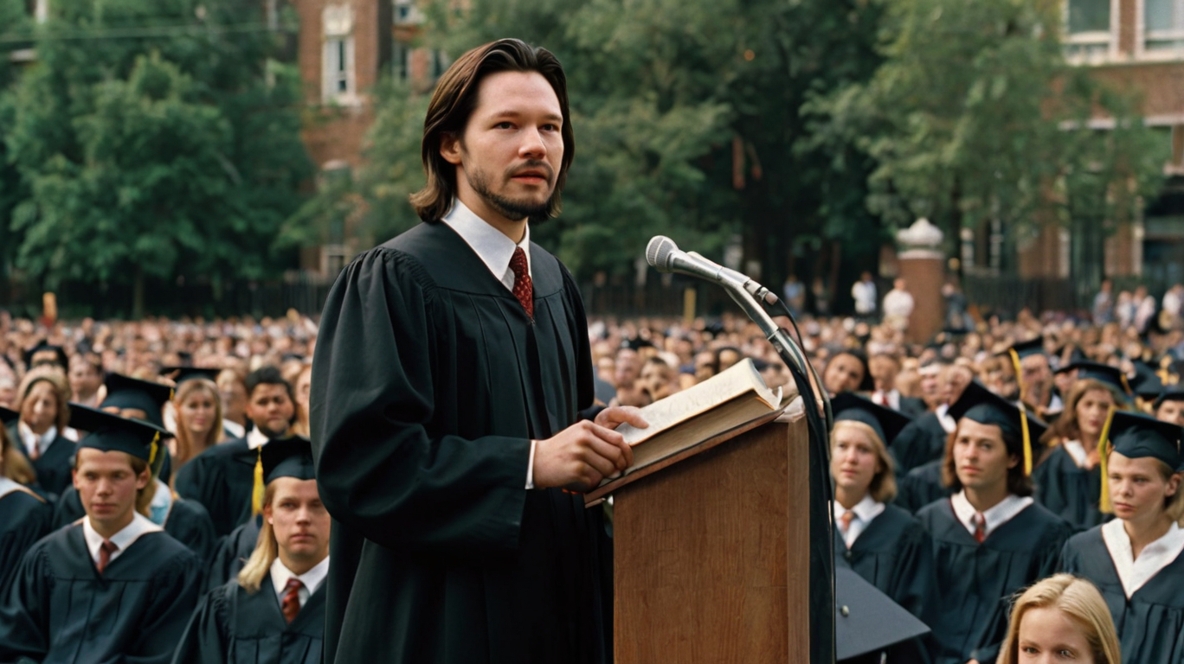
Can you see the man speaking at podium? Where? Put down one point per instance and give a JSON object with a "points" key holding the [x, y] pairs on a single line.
{"points": [[450, 374]]}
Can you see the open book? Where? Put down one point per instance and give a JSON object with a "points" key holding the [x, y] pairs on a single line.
{"points": [[725, 403]]}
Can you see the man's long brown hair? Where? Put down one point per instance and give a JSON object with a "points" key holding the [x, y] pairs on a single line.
{"points": [[453, 103]]}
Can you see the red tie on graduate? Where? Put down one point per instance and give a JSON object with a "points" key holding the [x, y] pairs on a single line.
{"points": [[291, 604], [105, 550], [845, 519], [523, 288], [980, 527]]}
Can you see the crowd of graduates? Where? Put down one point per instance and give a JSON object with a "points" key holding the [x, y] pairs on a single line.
{"points": [[158, 500]]}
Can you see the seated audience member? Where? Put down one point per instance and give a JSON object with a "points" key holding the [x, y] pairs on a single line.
{"points": [[112, 587], [1169, 406], [847, 372], [24, 515], [1062, 618], [273, 612], [884, 368], [42, 402]]}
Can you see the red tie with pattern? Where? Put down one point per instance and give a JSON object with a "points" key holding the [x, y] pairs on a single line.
{"points": [[105, 550], [980, 527], [845, 520], [523, 288], [291, 604]]}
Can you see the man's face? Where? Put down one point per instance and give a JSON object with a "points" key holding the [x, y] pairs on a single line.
{"points": [[1037, 377], [953, 382], [656, 378], [107, 485], [84, 378], [508, 159], [626, 370], [884, 369], [931, 385], [271, 409], [981, 459], [844, 373], [234, 399], [1171, 411], [299, 520]]}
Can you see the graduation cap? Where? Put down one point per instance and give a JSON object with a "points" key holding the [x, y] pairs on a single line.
{"points": [[8, 416], [127, 392], [190, 373], [1174, 394], [1148, 387], [1028, 348], [281, 457], [112, 433], [1075, 357], [887, 423], [866, 620], [62, 360], [1137, 436], [985, 407], [1103, 373]]}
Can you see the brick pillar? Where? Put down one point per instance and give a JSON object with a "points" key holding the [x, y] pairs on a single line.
{"points": [[922, 266]]}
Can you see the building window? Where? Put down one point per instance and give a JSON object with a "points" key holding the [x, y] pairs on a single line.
{"points": [[1163, 25], [1088, 29], [337, 61], [400, 60], [406, 13]]}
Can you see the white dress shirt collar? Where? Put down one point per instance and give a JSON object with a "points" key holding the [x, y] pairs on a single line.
{"points": [[139, 526], [491, 245], [32, 440], [996, 516], [1076, 451], [256, 439], [865, 510], [1136, 572], [311, 579], [8, 486], [891, 396], [943, 417], [235, 429]]}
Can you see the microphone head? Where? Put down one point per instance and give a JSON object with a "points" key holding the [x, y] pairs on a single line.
{"points": [[657, 252]]}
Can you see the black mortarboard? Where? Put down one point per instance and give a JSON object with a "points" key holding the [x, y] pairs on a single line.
{"points": [[866, 620], [62, 360], [1103, 373], [1136, 436], [1075, 357], [1148, 387], [126, 392], [1026, 348], [887, 423], [189, 373], [8, 416], [287, 457], [287, 357], [984, 406], [1174, 394], [112, 433]]}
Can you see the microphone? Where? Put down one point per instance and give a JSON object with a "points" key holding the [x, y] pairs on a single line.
{"points": [[665, 256]]}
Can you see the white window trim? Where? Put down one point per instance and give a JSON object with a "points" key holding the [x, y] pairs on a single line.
{"points": [[1157, 55], [1109, 37]]}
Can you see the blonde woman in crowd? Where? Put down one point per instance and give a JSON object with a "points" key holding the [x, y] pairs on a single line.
{"points": [[1062, 618]]}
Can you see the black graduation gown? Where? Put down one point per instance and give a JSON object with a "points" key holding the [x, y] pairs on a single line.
{"points": [[1068, 491], [221, 478], [912, 407], [232, 553], [55, 466], [187, 522], [60, 609], [233, 626], [976, 581], [24, 519], [1150, 624], [919, 442], [921, 486], [439, 553]]}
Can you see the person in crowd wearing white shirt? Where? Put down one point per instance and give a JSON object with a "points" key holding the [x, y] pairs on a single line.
{"points": [[86, 379], [1135, 560], [233, 393], [112, 586], [1144, 304], [274, 611], [1062, 618], [884, 367], [864, 294], [898, 306], [882, 543], [989, 538], [43, 396]]}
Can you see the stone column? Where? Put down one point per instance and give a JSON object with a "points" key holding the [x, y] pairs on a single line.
{"points": [[922, 266]]}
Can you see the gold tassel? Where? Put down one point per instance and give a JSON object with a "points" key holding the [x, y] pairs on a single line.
{"points": [[257, 491], [153, 448], [1027, 441], [1104, 504]]}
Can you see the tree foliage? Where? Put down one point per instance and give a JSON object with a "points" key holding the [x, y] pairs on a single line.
{"points": [[155, 138]]}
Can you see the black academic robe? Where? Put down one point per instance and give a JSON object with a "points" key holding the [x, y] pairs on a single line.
{"points": [[439, 553], [24, 519], [55, 466], [894, 554], [912, 407], [233, 626], [976, 581], [187, 522], [1150, 624], [232, 553], [221, 478], [1068, 491], [60, 609], [921, 441], [921, 486]]}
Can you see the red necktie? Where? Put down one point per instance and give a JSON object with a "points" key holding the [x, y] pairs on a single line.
{"points": [[291, 604], [523, 288], [845, 521], [980, 527], [884, 399], [105, 550]]}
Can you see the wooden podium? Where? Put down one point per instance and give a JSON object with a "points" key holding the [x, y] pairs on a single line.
{"points": [[712, 555]]}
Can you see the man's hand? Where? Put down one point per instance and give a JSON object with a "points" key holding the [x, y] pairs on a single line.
{"points": [[582, 455]]}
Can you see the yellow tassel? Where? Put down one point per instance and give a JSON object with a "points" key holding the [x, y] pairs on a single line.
{"points": [[1027, 441], [1104, 504], [257, 492], [153, 448], [1019, 373]]}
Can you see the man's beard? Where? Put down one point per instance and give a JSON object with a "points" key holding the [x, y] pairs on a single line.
{"points": [[508, 207]]}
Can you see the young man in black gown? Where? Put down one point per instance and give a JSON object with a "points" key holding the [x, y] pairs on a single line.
{"points": [[989, 538], [274, 611], [450, 373], [112, 587]]}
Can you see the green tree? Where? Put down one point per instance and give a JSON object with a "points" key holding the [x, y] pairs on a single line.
{"points": [[157, 139]]}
